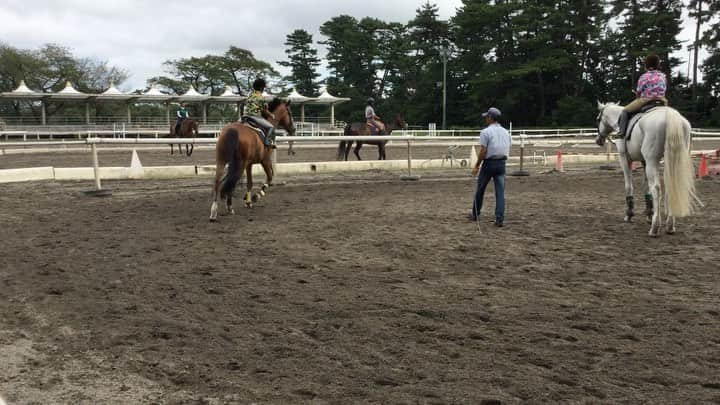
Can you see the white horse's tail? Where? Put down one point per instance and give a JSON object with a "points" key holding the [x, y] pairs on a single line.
{"points": [[679, 177]]}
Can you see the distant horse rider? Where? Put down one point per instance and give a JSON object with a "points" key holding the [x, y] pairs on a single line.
{"points": [[257, 112], [372, 119], [182, 115], [651, 86]]}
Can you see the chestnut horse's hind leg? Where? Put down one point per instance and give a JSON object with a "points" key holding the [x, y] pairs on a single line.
{"points": [[249, 199], [358, 146], [219, 168]]}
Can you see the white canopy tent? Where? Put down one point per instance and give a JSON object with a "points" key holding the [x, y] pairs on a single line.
{"points": [[154, 95]]}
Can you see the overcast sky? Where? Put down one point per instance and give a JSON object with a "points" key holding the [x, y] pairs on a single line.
{"points": [[139, 35]]}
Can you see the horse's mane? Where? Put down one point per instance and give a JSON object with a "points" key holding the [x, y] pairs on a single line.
{"points": [[275, 103]]}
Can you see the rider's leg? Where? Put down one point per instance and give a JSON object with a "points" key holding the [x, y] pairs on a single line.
{"points": [[268, 130], [628, 110]]}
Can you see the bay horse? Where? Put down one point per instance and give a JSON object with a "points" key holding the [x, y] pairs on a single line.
{"points": [[188, 129], [239, 146], [363, 129], [661, 132]]}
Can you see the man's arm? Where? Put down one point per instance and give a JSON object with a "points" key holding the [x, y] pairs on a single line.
{"points": [[481, 156]]}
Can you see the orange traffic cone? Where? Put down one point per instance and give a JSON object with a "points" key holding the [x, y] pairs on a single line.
{"points": [[703, 169], [559, 162]]}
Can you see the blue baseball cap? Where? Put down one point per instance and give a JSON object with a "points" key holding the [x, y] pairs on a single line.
{"points": [[493, 112]]}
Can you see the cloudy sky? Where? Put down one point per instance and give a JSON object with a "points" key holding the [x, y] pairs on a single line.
{"points": [[139, 35]]}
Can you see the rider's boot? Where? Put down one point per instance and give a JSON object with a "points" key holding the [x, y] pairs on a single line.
{"points": [[622, 124], [269, 139]]}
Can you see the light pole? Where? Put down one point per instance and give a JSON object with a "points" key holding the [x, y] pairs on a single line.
{"points": [[445, 53]]}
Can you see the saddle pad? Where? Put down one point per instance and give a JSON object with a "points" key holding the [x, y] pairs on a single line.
{"points": [[647, 108]]}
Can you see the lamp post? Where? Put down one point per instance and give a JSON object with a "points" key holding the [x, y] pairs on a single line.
{"points": [[444, 53]]}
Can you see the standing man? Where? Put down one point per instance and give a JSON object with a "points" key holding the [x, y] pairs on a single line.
{"points": [[495, 144]]}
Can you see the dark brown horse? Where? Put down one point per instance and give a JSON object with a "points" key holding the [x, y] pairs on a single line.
{"points": [[239, 146], [188, 129], [362, 129]]}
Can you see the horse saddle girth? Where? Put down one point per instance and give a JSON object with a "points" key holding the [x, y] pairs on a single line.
{"points": [[648, 107]]}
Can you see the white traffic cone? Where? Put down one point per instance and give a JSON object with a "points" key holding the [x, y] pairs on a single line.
{"points": [[136, 168]]}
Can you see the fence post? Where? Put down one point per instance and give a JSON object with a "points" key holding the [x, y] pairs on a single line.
{"points": [[409, 176], [96, 166]]}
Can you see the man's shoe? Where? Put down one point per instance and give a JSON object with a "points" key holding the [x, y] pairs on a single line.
{"points": [[498, 224], [471, 218]]}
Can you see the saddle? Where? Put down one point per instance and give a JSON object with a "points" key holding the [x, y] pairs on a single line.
{"points": [[250, 122], [635, 118], [372, 129]]}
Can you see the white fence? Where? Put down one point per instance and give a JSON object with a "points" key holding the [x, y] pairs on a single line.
{"points": [[408, 137]]}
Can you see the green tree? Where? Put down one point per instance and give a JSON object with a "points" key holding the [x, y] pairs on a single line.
{"points": [[210, 74], [303, 62], [353, 59], [48, 69]]}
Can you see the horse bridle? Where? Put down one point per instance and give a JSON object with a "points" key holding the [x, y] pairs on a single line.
{"points": [[601, 120]]}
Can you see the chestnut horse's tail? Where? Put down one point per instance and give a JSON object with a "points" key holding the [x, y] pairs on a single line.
{"points": [[230, 149]]}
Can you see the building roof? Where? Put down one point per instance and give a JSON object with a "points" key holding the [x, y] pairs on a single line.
{"points": [[153, 94]]}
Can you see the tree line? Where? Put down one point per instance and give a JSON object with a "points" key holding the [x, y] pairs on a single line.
{"points": [[543, 62]]}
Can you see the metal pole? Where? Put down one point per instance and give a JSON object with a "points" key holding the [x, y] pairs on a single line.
{"points": [[96, 166], [42, 111], [87, 112], [444, 101], [409, 159]]}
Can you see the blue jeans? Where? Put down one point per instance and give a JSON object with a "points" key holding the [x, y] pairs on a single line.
{"points": [[495, 170]]}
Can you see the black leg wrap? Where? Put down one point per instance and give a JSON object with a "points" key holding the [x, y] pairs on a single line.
{"points": [[630, 206]]}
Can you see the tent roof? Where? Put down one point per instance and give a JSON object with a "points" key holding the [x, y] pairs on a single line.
{"points": [[69, 93], [21, 92]]}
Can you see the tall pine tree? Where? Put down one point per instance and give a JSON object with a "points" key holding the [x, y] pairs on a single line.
{"points": [[303, 62]]}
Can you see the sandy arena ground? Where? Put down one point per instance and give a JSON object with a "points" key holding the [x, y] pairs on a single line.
{"points": [[355, 289]]}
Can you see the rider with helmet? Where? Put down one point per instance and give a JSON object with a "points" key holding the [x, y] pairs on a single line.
{"points": [[182, 115], [371, 118], [651, 86], [256, 112]]}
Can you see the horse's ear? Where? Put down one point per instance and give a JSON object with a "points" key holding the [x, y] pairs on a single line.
{"points": [[288, 102], [600, 105]]}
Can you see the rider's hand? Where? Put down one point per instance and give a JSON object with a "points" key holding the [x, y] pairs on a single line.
{"points": [[475, 171]]}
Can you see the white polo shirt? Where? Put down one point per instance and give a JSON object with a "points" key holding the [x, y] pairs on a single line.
{"points": [[497, 140]]}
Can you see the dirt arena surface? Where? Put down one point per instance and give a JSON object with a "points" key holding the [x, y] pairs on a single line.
{"points": [[355, 289]]}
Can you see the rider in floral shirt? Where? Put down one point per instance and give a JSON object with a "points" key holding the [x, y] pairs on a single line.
{"points": [[651, 86]]}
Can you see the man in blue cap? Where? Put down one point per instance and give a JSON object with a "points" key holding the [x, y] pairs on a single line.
{"points": [[495, 144]]}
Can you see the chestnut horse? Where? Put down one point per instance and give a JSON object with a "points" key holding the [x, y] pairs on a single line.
{"points": [[362, 129], [240, 146], [188, 129]]}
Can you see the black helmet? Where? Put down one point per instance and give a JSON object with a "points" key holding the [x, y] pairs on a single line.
{"points": [[259, 84], [370, 100]]}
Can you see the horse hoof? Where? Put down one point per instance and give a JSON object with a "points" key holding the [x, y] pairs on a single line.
{"points": [[670, 232], [213, 219], [231, 211], [627, 220]]}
